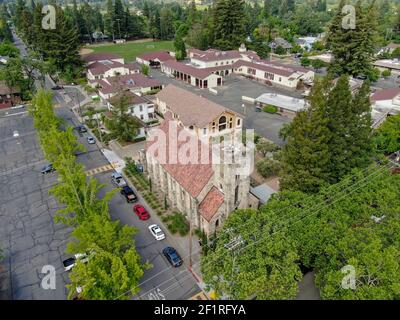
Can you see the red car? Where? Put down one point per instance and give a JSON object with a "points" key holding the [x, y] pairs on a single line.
{"points": [[141, 212]]}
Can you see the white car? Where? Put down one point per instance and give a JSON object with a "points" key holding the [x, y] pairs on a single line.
{"points": [[91, 140], [16, 134], [156, 231]]}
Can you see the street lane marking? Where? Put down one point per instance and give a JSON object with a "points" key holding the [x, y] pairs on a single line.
{"points": [[94, 171]]}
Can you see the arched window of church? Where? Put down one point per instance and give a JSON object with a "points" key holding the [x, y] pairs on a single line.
{"points": [[222, 123]]}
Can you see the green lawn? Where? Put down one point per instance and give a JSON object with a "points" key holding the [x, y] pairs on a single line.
{"points": [[130, 50]]}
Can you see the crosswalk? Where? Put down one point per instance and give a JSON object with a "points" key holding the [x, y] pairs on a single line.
{"points": [[97, 170]]}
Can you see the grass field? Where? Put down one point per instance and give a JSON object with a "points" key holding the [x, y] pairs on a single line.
{"points": [[130, 50]]}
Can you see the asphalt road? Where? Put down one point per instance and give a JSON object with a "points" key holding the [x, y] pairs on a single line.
{"points": [[28, 234]]}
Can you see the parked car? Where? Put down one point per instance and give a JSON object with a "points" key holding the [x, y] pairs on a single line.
{"points": [[90, 140], [70, 262], [118, 180], [82, 129], [18, 106], [47, 168], [129, 195], [172, 256], [141, 212], [156, 231], [15, 134]]}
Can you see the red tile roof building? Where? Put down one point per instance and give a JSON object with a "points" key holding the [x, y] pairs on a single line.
{"points": [[137, 83], [194, 183]]}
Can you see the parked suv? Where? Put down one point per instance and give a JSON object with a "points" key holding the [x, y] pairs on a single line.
{"points": [[129, 195], [172, 256], [117, 179]]}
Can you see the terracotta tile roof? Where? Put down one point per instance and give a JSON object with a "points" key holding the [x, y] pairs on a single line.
{"points": [[132, 98], [98, 67], [128, 81], [191, 108], [160, 55], [99, 56], [385, 94], [272, 67], [211, 203], [215, 55], [188, 69], [192, 177]]}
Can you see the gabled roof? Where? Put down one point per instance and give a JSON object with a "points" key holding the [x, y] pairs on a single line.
{"points": [[271, 67], [99, 56], [191, 108], [385, 94], [192, 177], [211, 203], [128, 81], [160, 55], [129, 95], [188, 69]]}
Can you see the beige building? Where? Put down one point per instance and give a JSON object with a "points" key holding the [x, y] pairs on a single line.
{"points": [[205, 190], [197, 114]]}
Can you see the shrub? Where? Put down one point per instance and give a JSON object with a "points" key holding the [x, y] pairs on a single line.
{"points": [[270, 109], [177, 223], [268, 167], [386, 73]]}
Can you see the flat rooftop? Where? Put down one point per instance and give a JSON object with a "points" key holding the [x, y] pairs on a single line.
{"points": [[281, 101]]}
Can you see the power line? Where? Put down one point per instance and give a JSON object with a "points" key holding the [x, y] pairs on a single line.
{"points": [[333, 186]]}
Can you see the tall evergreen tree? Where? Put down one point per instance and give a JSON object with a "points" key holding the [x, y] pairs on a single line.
{"points": [[109, 19], [229, 23], [305, 157], [353, 49]]}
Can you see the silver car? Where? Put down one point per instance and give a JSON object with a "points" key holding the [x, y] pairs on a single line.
{"points": [[118, 180]]}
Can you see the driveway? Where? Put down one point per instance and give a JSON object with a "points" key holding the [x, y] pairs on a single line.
{"points": [[230, 96]]}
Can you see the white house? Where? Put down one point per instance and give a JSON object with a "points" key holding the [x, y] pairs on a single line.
{"points": [[154, 59], [136, 83], [105, 65], [139, 107]]}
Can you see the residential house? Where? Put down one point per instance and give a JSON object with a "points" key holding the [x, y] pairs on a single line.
{"points": [[393, 65], [9, 96], [282, 43], [206, 192], [197, 114], [136, 83], [154, 59], [139, 107], [384, 103], [105, 65]]}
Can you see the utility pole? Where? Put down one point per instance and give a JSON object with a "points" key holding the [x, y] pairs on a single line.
{"points": [[190, 243]]}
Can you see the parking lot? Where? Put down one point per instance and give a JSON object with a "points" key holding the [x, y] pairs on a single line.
{"points": [[28, 235], [230, 96]]}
